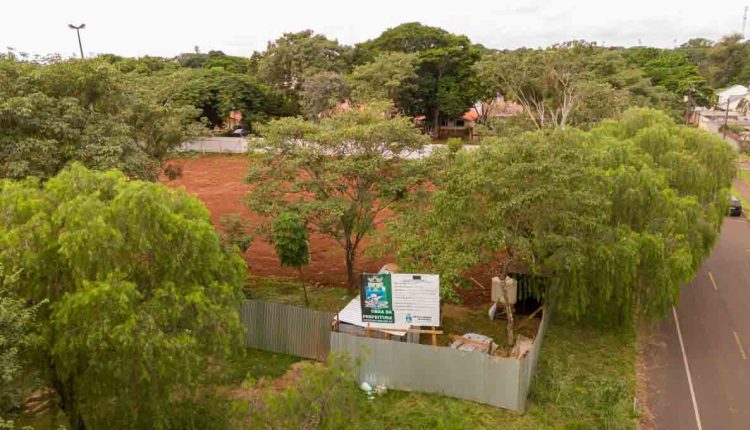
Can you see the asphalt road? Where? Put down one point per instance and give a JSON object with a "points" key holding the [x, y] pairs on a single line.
{"points": [[714, 322]]}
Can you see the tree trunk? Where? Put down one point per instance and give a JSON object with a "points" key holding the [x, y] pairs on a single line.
{"points": [[436, 122], [304, 287], [350, 255], [68, 404], [508, 311], [511, 328]]}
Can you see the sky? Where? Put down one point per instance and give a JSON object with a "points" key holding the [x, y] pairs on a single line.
{"points": [[167, 28]]}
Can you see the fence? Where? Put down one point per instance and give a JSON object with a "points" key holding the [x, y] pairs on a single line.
{"points": [[287, 329], [498, 381], [232, 145]]}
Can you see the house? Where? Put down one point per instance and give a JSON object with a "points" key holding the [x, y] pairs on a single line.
{"points": [[497, 107], [732, 95]]}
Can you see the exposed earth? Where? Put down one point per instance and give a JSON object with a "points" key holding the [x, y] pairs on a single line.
{"points": [[218, 181]]}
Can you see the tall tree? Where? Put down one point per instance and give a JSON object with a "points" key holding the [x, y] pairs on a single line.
{"points": [[387, 77], [321, 92], [446, 85], [290, 58], [339, 175], [289, 237], [729, 61], [619, 218], [141, 293]]}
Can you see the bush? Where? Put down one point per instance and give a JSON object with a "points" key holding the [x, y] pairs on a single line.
{"points": [[323, 397]]}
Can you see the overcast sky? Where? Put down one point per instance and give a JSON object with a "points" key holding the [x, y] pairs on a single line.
{"points": [[166, 28]]}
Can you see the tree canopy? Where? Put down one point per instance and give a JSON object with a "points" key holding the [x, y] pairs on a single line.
{"points": [[339, 175], [619, 218], [141, 293]]}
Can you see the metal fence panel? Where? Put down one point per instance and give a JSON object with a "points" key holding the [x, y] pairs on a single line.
{"points": [[413, 367], [498, 381], [287, 329]]}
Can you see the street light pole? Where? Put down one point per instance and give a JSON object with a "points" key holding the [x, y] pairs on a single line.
{"points": [[78, 32]]}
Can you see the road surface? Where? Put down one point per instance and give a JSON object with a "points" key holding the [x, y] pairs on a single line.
{"points": [[714, 323]]}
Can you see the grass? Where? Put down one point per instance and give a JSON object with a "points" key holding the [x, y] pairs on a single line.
{"points": [[585, 380], [744, 175], [289, 291], [459, 320], [254, 364]]}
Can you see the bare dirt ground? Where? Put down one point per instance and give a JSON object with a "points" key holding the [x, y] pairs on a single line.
{"points": [[218, 181]]}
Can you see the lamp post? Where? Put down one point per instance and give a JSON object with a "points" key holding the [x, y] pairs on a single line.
{"points": [[78, 32]]}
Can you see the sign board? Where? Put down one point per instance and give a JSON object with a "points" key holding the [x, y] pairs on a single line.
{"points": [[391, 298]]}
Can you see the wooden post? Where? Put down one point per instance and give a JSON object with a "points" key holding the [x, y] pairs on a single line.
{"points": [[387, 336], [367, 330], [434, 337]]}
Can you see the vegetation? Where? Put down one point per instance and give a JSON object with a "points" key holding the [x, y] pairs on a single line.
{"points": [[338, 175], [586, 380], [121, 296], [289, 236], [618, 218], [139, 289]]}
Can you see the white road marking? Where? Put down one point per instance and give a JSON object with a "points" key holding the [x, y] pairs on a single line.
{"points": [[713, 282], [687, 370], [739, 345]]}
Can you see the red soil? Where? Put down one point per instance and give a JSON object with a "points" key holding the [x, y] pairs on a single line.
{"points": [[218, 181]]}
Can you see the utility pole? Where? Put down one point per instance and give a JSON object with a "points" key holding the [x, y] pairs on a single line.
{"points": [[726, 118], [744, 22], [78, 32]]}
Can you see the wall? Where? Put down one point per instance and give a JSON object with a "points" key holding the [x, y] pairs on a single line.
{"points": [[231, 145], [287, 329], [498, 381]]}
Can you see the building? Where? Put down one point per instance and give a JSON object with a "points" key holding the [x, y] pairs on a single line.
{"points": [[732, 95]]}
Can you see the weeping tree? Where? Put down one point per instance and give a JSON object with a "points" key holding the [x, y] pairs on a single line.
{"points": [[619, 218], [142, 297], [501, 208], [339, 175], [289, 237]]}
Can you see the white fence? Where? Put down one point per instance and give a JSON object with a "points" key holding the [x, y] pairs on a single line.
{"points": [[215, 145]]}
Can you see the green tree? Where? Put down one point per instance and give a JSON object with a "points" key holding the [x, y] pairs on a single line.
{"points": [[728, 61], [321, 92], [339, 175], [289, 59], [17, 322], [673, 71], [142, 296], [55, 113], [385, 78], [289, 237], [618, 218], [446, 85]]}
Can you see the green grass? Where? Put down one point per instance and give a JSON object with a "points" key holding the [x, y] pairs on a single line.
{"points": [[585, 380], [289, 291], [255, 364]]}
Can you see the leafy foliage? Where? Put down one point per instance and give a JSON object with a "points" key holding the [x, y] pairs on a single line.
{"points": [[86, 111], [339, 175], [322, 92], [291, 244], [385, 78], [445, 85], [619, 217], [141, 294]]}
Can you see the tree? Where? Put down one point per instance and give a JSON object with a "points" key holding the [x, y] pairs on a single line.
{"points": [[446, 85], [385, 78], [55, 113], [339, 175], [505, 207], [728, 61], [294, 56], [618, 218], [17, 322], [321, 92], [289, 237], [673, 71], [142, 296]]}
